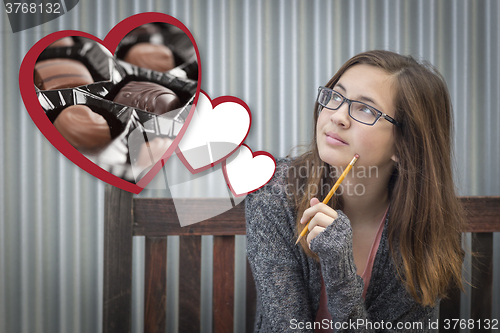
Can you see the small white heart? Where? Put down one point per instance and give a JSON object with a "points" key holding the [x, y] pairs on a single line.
{"points": [[216, 130], [246, 171]]}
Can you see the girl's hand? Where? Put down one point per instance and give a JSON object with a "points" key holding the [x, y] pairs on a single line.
{"points": [[322, 216]]}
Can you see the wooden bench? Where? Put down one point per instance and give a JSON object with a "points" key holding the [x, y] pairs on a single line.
{"points": [[156, 219]]}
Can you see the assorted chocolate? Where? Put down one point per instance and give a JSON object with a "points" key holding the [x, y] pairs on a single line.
{"points": [[152, 56], [84, 129], [61, 73], [63, 42], [148, 96], [123, 110], [159, 47], [148, 30]]}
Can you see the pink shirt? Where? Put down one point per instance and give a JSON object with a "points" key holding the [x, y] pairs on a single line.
{"points": [[323, 312]]}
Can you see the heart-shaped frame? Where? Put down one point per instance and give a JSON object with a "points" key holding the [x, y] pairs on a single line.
{"points": [[111, 41]]}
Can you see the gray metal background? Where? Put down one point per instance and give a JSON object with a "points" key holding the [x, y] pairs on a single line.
{"points": [[271, 54]]}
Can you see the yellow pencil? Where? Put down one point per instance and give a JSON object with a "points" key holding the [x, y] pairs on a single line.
{"points": [[332, 191]]}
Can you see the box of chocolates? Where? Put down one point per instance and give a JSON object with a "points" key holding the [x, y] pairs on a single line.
{"points": [[160, 47], [121, 111]]}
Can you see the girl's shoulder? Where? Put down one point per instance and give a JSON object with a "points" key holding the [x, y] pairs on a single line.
{"points": [[270, 214], [281, 174], [272, 198]]}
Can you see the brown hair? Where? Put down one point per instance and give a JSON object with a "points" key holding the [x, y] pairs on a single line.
{"points": [[426, 218]]}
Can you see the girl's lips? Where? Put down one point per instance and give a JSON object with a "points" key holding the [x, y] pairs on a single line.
{"points": [[335, 140]]}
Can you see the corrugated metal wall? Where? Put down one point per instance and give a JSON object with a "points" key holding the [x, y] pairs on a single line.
{"points": [[271, 54]]}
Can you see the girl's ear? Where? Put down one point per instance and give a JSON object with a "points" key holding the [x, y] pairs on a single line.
{"points": [[395, 158]]}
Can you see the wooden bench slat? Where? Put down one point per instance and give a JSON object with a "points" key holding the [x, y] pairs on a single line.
{"points": [[482, 279], [158, 217], [223, 284], [189, 283], [117, 283], [155, 286], [482, 213]]}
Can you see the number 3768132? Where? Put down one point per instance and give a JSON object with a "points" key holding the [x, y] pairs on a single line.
{"points": [[489, 324], [32, 8]]}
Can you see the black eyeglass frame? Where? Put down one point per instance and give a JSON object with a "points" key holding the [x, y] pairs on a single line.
{"points": [[380, 114]]}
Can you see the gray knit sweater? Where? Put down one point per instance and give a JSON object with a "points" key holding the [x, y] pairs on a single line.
{"points": [[288, 282]]}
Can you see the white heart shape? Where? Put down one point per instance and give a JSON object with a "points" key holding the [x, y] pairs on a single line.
{"points": [[214, 133], [246, 172]]}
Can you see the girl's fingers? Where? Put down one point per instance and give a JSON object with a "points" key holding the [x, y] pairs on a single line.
{"points": [[313, 233], [314, 201], [320, 220], [318, 207], [319, 216]]}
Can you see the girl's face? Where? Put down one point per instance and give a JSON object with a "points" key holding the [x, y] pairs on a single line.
{"points": [[339, 137]]}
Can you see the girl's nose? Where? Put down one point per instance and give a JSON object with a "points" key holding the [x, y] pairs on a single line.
{"points": [[341, 116]]}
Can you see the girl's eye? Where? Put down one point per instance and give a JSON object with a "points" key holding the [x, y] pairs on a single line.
{"points": [[367, 111], [337, 98]]}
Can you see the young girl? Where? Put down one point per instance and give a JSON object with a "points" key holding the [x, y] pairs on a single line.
{"points": [[382, 253]]}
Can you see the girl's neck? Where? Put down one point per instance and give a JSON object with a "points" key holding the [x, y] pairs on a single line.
{"points": [[366, 199], [365, 210]]}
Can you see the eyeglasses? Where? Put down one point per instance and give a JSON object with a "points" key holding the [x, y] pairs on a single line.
{"points": [[359, 111]]}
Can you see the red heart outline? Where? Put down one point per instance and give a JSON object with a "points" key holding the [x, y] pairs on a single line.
{"points": [[111, 41], [215, 102], [257, 153]]}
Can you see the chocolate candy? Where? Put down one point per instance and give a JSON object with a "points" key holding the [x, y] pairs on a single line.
{"points": [[65, 41], [151, 56], [86, 130], [61, 73], [152, 151], [148, 96], [145, 29]]}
